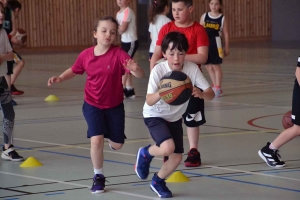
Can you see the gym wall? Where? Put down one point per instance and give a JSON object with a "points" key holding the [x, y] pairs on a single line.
{"points": [[69, 23]]}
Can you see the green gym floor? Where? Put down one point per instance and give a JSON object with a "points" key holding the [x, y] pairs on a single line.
{"points": [[258, 84]]}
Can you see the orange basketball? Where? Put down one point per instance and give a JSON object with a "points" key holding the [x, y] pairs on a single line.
{"points": [[21, 35], [175, 88], [287, 120]]}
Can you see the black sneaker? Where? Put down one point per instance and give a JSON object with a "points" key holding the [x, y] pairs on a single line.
{"points": [[271, 157], [98, 184], [15, 91], [129, 93], [11, 154], [193, 159]]}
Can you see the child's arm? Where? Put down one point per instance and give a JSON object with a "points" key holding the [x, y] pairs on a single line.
{"points": [[200, 57], [155, 57], [135, 70], [6, 57], [152, 99], [66, 75], [202, 20], [207, 94], [123, 27], [226, 38]]}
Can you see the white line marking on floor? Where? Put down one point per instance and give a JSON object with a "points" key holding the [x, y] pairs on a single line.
{"points": [[75, 184]]}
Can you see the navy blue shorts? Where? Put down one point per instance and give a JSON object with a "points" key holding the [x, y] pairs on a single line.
{"points": [[162, 130], [108, 122], [130, 47]]}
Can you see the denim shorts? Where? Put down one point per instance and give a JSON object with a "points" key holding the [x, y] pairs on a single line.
{"points": [[108, 122]]}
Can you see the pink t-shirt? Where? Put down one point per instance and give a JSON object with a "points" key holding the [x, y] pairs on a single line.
{"points": [[103, 86]]}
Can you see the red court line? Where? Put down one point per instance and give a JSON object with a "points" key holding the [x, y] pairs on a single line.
{"points": [[251, 122]]}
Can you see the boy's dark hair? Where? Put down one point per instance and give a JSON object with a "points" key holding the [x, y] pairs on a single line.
{"points": [[157, 7], [105, 18], [179, 41], [13, 5], [187, 3]]}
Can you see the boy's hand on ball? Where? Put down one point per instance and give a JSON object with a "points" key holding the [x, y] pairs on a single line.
{"points": [[197, 93], [130, 65]]}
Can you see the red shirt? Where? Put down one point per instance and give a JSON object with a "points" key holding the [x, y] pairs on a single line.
{"points": [[103, 86], [195, 34]]}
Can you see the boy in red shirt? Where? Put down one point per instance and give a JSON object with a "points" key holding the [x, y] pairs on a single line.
{"points": [[197, 53]]}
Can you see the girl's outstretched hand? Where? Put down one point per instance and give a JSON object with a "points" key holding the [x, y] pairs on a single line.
{"points": [[54, 79], [131, 65]]}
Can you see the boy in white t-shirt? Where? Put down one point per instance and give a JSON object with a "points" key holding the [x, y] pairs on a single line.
{"points": [[6, 54], [129, 41], [164, 121]]}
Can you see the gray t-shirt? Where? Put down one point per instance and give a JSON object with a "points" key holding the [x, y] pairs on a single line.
{"points": [[5, 48]]}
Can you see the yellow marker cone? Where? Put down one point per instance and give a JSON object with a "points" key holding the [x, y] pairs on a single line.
{"points": [[52, 98], [31, 162], [177, 177]]}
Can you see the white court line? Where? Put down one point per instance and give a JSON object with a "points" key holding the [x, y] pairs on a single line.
{"points": [[78, 147], [75, 184], [134, 155], [254, 173]]}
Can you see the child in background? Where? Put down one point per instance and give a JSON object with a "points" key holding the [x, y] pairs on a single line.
{"points": [[12, 8], [216, 27], [197, 53], [16, 66], [157, 18], [129, 41], [270, 152], [164, 121], [103, 107], [8, 113]]}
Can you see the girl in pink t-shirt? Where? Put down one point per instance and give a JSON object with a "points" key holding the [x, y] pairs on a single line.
{"points": [[103, 108]]}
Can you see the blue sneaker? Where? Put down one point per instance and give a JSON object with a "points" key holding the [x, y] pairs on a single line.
{"points": [[13, 102], [158, 186], [143, 160], [98, 184]]}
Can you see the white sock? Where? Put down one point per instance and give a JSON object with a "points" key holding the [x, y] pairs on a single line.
{"points": [[129, 87], [271, 146], [98, 171]]}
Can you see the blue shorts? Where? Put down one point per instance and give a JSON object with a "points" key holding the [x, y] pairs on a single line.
{"points": [[162, 130], [108, 122]]}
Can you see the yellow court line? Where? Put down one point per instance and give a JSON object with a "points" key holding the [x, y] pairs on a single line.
{"points": [[147, 140]]}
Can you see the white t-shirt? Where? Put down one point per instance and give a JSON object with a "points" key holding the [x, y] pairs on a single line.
{"points": [[161, 109], [159, 21], [5, 47], [130, 34]]}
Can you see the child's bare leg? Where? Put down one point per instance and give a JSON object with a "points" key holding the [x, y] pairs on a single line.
{"points": [[169, 166], [286, 136], [218, 75], [129, 81], [97, 157], [115, 146], [211, 73], [17, 69], [166, 148]]}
